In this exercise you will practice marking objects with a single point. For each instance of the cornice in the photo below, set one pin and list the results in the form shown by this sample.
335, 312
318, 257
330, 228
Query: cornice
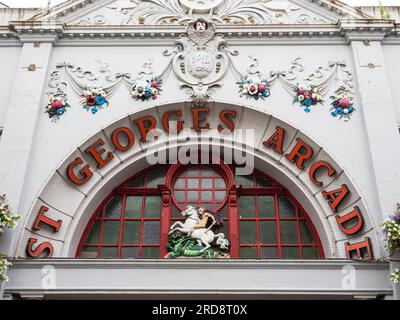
58, 32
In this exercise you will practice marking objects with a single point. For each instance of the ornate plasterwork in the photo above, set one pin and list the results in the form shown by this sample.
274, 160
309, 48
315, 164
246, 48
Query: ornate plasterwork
177, 12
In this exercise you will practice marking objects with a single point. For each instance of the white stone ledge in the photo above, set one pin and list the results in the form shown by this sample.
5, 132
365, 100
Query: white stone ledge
127, 278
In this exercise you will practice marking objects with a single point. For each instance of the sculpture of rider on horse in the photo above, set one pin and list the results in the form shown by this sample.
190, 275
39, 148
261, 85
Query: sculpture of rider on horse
197, 232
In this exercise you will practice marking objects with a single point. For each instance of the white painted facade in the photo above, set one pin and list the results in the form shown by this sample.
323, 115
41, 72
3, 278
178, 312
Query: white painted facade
107, 38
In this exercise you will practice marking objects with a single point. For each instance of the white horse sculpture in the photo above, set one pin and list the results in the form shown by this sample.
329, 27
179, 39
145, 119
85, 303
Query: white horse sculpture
204, 236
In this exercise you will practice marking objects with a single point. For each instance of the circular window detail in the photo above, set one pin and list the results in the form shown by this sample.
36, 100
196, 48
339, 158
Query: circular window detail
202, 186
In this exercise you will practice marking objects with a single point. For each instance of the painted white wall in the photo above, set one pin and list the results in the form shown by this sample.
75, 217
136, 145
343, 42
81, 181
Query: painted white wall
391, 55
9, 60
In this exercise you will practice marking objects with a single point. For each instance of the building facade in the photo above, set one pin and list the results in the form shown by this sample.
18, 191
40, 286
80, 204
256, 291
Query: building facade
277, 121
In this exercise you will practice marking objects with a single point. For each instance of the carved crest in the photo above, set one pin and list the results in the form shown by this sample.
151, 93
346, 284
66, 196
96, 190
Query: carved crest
201, 59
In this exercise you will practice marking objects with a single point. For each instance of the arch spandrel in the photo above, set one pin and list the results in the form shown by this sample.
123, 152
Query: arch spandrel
65, 199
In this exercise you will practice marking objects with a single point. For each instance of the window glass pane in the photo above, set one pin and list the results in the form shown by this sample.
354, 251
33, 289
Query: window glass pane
207, 172
246, 207
151, 232
206, 196
176, 213
93, 236
130, 252
220, 195
156, 177
266, 207
248, 232
131, 232
290, 252
244, 181
137, 182
179, 195
268, 232
192, 172
89, 252
286, 207
180, 183
150, 252
206, 183
310, 253
109, 252
110, 232
113, 208
262, 182
248, 252
133, 207
153, 207
289, 232
269, 252
193, 183
193, 195
306, 234
220, 184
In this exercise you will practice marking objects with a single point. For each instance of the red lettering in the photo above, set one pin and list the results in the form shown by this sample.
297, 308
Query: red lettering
146, 124
359, 248
353, 215
301, 152
197, 118
223, 116
44, 246
85, 172
46, 220
335, 197
276, 140
179, 123
117, 143
315, 167
97, 153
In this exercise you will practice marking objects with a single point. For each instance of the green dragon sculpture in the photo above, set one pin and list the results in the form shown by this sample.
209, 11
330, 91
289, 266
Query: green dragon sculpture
181, 245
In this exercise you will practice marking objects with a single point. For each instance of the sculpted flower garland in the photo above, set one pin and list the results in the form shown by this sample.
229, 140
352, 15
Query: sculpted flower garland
342, 104
308, 96
7, 220
254, 88
94, 99
56, 107
147, 90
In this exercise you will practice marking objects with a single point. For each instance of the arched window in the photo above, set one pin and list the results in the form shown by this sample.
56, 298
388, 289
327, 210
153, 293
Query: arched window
261, 218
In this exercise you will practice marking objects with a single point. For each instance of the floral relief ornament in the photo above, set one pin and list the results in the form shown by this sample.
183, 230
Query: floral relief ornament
342, 104
308, 96
254, 88
94, 99
57, 106
146, 90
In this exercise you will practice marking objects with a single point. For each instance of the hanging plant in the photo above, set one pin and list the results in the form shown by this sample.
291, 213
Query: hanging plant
254, 88
4, 265
94, 99
391, 229
395, 276
146, 90
342, 104
308, 96
7, 220
56, 107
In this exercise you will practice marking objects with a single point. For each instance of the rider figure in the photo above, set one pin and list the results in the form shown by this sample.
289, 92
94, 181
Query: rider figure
204, 217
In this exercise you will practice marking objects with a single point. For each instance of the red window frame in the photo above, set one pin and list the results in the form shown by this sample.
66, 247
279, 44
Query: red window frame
233, 193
